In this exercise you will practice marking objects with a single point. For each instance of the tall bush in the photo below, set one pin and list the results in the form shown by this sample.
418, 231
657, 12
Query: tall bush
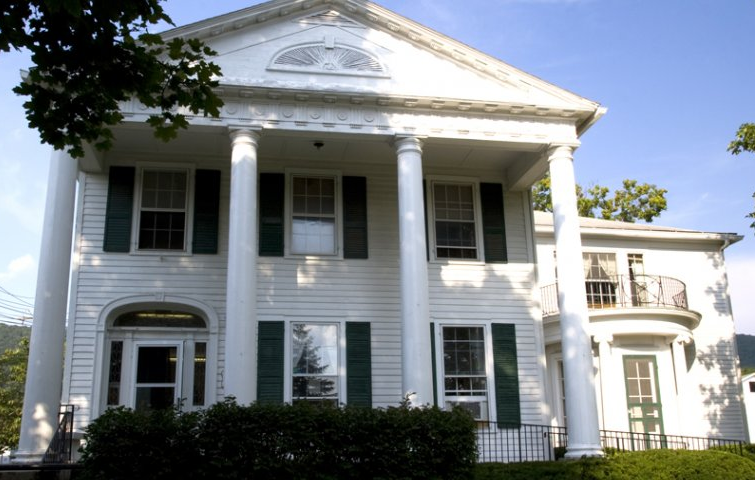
230, 441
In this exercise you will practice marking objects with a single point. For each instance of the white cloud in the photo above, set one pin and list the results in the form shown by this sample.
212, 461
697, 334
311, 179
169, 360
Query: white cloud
18, 266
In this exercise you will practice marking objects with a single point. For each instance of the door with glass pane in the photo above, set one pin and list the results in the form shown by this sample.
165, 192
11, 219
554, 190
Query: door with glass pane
643, 396
158, 370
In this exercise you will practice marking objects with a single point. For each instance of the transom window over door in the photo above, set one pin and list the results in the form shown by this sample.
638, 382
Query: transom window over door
464, 374
313, 215
454, 215
163, 210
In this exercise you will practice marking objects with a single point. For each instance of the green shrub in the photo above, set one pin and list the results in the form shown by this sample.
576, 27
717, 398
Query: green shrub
281, 441
747, 450
647, 465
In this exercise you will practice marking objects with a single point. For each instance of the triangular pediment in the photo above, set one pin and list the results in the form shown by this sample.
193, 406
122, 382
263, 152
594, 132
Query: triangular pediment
357, 47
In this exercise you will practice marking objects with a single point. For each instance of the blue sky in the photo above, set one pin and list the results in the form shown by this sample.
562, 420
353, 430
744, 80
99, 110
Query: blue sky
677, 77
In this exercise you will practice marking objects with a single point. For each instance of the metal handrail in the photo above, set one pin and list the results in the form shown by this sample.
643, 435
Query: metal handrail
61, 445
624, 291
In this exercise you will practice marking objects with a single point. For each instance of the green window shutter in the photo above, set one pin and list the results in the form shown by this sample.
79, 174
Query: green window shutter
358, 364
118, 214
435, 367
270, 356
272, 197
354, 217
493, 223
424, 206
206, 211
506, 373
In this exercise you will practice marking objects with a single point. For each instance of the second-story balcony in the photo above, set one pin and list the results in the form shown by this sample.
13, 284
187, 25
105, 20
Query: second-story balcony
625, 291
624, 304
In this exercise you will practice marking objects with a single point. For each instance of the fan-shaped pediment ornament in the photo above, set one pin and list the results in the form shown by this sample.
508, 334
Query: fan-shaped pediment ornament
335, 59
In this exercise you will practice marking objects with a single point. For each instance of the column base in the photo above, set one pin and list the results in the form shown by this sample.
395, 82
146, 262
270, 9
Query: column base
583, 451
26, 458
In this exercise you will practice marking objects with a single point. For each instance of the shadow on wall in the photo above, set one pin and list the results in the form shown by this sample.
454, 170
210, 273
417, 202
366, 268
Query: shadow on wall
722, 402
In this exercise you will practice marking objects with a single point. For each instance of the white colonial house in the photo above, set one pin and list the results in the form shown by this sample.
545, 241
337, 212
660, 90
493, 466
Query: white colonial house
664, 350
356, 227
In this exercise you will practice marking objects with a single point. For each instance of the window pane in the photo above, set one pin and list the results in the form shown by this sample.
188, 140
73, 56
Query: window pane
114, 374
200, 365
313, 235
161, 230
314, 360
156, 365
154, 398
313, 220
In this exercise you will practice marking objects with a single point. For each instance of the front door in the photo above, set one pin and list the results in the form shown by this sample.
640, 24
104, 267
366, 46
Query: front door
643, 397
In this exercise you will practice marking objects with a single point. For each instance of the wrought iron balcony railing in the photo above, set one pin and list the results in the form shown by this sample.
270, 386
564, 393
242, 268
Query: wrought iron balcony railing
625, 291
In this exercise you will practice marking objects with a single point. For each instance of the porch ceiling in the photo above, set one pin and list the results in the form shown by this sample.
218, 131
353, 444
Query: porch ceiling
137, 143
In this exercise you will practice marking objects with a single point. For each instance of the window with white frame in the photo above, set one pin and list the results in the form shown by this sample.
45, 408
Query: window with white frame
465, 379
314, 225
163, 209
314, 362
455, 220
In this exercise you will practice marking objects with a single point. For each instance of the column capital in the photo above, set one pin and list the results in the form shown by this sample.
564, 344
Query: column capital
406, 143
245, 134
683, 339
561, 150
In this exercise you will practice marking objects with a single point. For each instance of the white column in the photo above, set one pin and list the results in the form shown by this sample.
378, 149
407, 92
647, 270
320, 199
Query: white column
240, 375
581, 406
680, 372
416, 371
607, 391
44, 374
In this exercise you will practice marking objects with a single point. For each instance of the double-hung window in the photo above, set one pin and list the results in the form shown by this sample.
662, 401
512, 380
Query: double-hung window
314, 225
163, 209
465, 377
314, 362
455, 220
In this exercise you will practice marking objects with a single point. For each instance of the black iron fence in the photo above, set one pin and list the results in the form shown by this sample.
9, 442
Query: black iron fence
622, 291
61, 446
533, 443
525, 443
632, 441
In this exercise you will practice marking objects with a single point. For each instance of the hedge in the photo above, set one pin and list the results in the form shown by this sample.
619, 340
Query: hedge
646, 465
280, 441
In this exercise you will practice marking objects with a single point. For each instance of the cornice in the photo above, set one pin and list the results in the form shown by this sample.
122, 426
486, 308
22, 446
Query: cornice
321, 112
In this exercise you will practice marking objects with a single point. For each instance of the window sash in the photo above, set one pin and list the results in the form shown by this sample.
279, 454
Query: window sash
315, 361
313, 212
455, 222
163, 209
465, 376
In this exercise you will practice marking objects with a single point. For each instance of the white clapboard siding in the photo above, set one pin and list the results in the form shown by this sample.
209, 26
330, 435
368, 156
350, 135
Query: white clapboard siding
288, 288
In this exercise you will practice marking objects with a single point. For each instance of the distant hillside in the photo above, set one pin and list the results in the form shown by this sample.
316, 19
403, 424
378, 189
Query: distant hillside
746, 348
10, 335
